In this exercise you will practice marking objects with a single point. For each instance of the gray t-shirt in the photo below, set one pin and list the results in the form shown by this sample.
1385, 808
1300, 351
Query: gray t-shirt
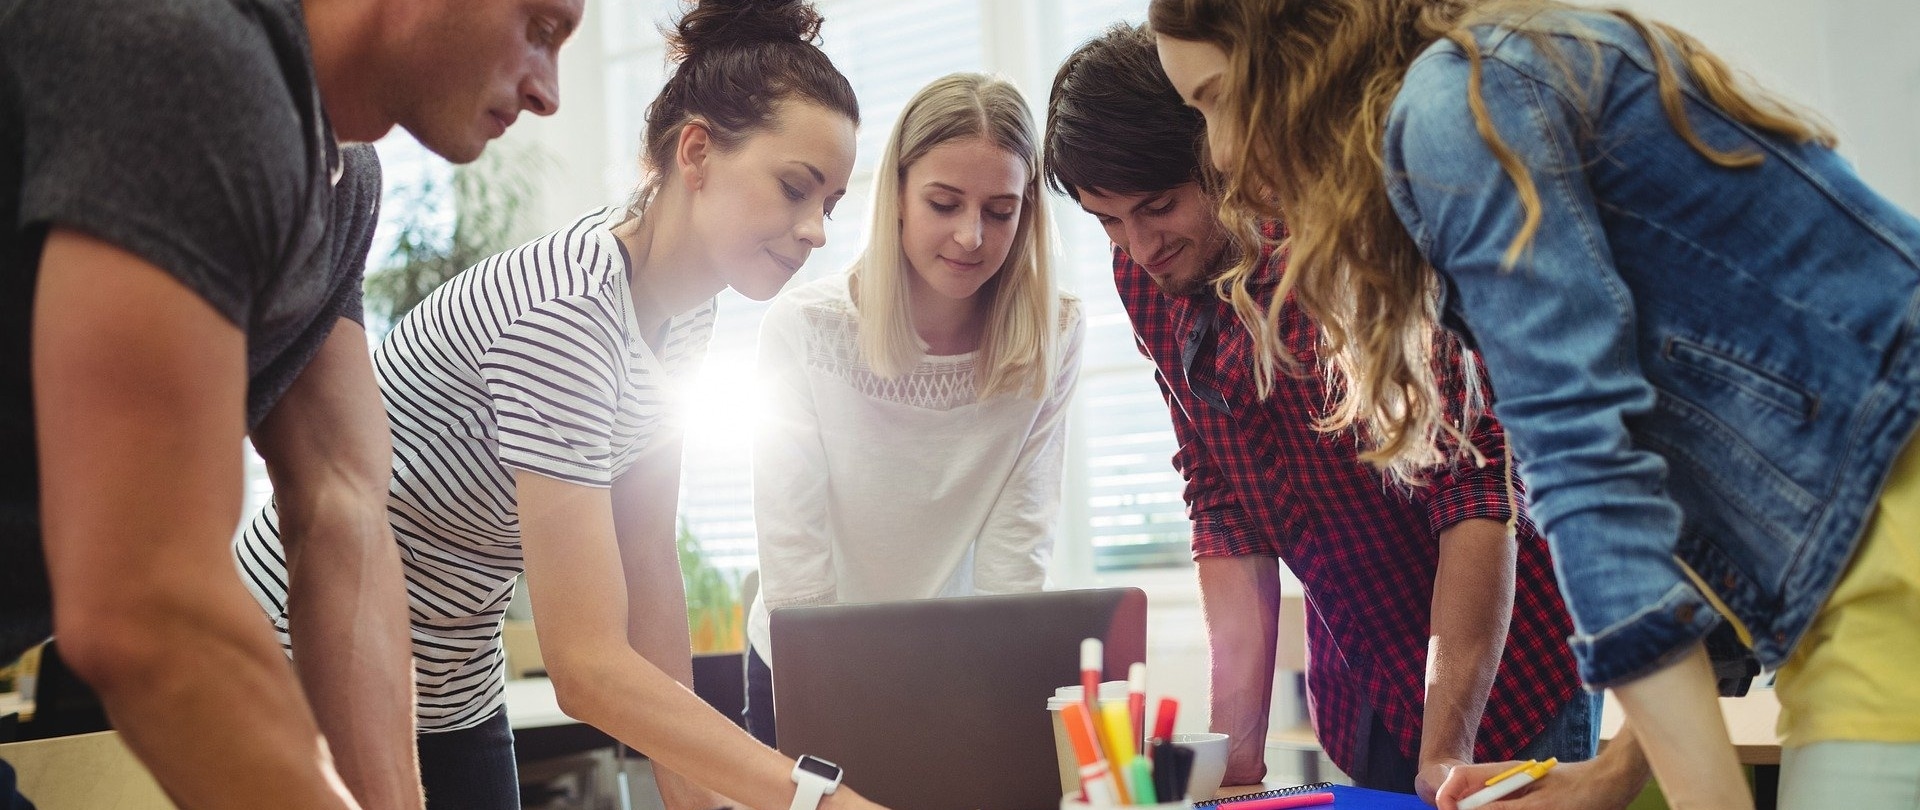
190, 133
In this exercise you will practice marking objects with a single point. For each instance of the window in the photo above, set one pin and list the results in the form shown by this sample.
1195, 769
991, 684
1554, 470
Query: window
1124, 508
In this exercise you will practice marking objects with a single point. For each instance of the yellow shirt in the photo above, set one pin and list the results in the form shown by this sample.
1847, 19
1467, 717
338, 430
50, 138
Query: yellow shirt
1856, 673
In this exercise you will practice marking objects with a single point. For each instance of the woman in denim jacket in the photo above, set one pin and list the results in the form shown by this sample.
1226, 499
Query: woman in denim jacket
1697, 318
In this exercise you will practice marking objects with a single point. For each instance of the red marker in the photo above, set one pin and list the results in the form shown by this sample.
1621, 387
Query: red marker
1092, 663
1137, 705
1163, 724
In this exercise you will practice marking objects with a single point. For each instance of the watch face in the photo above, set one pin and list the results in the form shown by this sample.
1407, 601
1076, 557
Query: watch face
819, 767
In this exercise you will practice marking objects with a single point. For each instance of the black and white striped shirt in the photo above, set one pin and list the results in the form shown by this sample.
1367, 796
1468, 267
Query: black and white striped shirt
530, 360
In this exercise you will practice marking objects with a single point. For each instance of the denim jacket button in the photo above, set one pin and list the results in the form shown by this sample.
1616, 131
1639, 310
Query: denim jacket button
1684, 613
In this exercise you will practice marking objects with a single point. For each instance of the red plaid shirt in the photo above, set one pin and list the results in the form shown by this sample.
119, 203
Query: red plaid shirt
1262, 481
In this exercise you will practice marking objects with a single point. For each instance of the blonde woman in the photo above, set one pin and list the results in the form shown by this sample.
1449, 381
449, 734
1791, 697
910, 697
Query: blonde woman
919, 401
1696, 315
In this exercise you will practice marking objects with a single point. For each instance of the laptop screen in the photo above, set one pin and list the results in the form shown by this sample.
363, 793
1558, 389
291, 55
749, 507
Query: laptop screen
940, 704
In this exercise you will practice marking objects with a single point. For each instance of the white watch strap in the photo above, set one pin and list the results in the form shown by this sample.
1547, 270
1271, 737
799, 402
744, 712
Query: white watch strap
807, 793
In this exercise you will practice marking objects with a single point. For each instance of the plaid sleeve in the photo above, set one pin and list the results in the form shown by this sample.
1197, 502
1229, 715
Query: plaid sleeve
1475, 486
1221, 528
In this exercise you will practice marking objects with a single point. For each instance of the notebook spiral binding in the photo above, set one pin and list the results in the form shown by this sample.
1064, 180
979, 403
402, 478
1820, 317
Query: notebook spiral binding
1267, 794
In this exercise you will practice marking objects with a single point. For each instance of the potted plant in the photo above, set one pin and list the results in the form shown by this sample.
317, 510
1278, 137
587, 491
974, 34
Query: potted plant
444, 223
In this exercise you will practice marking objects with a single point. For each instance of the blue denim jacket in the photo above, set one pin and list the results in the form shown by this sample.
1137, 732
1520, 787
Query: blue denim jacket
1704, 368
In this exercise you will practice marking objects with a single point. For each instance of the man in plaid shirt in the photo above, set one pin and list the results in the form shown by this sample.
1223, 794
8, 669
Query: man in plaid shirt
1436, 636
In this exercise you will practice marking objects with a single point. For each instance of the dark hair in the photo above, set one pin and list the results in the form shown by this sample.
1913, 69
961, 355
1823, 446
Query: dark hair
1115, 123
737, 60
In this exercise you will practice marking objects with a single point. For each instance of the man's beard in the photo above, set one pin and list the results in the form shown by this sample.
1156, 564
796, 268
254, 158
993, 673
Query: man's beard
1225, 253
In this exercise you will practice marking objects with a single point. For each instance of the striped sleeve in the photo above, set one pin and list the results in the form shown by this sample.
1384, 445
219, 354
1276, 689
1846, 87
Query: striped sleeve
554, 377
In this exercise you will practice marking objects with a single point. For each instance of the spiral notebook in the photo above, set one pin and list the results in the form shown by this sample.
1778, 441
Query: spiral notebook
1265, 794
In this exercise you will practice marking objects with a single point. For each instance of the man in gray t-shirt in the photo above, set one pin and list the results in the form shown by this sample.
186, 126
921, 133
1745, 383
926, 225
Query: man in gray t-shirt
181, 239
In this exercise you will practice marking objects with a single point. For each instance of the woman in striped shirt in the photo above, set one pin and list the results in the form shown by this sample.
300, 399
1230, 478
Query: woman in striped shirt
531, 410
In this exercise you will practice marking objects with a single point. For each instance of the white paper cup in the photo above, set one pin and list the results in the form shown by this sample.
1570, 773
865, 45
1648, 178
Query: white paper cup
1209, 763
1062, 746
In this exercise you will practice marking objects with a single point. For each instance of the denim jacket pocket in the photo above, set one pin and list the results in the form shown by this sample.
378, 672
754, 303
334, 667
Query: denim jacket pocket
1757, 383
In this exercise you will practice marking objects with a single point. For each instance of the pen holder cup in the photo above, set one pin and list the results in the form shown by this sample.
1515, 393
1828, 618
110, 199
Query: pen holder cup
1073, 802
1062, 748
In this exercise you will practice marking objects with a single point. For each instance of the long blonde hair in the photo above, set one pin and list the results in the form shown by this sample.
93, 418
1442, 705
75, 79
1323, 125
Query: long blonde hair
1019, 344
1304, 99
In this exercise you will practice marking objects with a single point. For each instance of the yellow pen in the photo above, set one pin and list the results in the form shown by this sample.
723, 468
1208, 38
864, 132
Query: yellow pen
1506, 783
1116, 731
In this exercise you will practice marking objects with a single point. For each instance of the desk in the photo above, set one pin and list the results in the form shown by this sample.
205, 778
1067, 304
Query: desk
83, 772
1348, 798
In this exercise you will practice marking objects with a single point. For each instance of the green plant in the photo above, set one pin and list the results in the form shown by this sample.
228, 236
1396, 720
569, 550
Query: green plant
714, 612
448, 221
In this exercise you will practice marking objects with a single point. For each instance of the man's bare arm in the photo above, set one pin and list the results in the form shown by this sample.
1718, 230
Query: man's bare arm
139, 391
1472, 609
328, 452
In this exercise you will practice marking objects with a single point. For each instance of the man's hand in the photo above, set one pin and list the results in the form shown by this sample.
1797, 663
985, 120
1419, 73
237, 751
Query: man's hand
1587, 785
1433, 775
1607, 782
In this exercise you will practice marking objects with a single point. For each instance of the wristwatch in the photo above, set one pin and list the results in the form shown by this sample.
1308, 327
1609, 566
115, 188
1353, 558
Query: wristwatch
813, 778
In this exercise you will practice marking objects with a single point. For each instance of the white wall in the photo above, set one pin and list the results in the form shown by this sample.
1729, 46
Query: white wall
574, 138
1856, 62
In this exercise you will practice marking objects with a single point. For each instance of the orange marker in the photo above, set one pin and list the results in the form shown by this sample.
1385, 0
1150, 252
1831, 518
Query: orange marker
1096, 782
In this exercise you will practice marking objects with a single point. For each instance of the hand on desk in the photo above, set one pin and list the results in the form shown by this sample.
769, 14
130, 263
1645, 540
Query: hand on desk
1433, 775
1587, 785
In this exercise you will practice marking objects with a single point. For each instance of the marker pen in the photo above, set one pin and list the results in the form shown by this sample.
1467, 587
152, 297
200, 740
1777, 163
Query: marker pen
1163, 721
1506, 783
1096, 782
1137, 705
1117, 734
1092, 663
1279, 802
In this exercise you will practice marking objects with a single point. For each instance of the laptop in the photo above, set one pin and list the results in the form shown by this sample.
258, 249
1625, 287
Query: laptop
940, 704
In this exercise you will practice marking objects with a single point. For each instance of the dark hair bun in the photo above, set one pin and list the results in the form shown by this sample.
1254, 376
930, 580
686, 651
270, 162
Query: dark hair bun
717, 25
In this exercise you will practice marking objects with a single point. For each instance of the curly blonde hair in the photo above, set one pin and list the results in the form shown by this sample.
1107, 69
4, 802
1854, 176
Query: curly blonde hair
1304, 102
